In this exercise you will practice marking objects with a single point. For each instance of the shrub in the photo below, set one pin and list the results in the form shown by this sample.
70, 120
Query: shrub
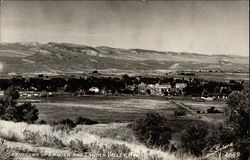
31, 137
78, 146
42, 139
152, 131
219, 134
213, 110
65, 124
86, 121
61, 127
179, 113
243, 146
122, 133
27, 112
42, 122
193, 138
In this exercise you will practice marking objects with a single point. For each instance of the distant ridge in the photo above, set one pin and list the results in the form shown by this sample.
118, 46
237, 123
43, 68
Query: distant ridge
29, 57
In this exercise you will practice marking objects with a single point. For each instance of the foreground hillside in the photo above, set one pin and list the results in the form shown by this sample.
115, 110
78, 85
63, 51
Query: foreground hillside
46, 141
67, 58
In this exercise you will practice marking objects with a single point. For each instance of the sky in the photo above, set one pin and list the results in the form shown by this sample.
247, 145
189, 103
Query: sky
206, 27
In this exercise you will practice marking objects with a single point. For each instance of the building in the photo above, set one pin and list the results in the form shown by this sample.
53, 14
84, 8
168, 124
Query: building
208, 98
94, 89
159, 89
180, 85
154, 89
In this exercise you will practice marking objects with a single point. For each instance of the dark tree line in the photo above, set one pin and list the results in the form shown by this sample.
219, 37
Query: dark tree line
195, 87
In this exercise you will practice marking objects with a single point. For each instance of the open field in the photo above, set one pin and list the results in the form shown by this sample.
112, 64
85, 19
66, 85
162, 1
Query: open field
125, 109
203, 106
102, 108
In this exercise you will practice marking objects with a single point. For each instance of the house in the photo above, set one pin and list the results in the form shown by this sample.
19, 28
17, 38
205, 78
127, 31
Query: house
94, 89
154, 89
207, 98
180, 86
159, 89
163, 88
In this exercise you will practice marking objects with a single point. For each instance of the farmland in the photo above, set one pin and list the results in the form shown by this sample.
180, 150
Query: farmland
123, 109
102, 108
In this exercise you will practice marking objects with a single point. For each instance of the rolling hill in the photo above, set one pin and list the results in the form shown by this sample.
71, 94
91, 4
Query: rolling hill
33, 57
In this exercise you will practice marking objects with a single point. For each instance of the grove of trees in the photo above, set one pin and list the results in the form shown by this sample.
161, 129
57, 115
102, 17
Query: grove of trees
11, 111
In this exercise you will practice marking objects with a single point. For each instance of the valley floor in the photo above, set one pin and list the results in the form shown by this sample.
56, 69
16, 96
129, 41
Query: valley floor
112, 136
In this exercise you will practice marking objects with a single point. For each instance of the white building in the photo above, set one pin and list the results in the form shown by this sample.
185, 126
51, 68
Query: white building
94, 89
208, 98
159, 89
180, 85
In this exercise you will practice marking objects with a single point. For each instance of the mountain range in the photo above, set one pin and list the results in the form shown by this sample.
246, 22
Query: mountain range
33, 57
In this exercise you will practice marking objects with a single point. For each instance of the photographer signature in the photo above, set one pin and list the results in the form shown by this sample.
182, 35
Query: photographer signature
223, 151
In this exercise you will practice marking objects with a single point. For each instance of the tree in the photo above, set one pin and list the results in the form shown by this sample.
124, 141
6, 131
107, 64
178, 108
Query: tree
193, 138
11, 111
8, 103
237, 112
27, 112
237, 117
152, 131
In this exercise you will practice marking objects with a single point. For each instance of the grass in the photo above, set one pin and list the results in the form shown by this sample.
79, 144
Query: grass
121, 132
42, 139
5, 153
80, 140
101, 108
203, 106
105, 109
105, 141
125, 109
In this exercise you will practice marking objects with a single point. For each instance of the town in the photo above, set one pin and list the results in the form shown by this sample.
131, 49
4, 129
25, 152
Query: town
45, 86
